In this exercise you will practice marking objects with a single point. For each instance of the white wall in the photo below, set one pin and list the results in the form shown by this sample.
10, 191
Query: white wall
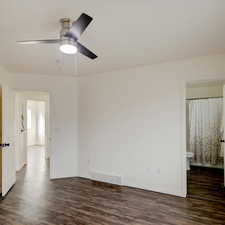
132, 122
20, 136
63, 115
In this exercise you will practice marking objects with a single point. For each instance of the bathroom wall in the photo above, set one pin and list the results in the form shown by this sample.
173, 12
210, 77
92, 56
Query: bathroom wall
202, 90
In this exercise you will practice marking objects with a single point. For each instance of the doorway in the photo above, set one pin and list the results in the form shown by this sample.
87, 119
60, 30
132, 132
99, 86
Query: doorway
32, 132
13, 137
205, 137
1, 140
36, 134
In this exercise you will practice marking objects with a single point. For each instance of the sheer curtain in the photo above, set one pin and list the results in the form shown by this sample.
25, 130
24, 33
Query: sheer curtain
205, 130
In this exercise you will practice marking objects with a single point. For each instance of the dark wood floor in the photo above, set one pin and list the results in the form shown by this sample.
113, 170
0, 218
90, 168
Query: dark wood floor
36, 200
206, 183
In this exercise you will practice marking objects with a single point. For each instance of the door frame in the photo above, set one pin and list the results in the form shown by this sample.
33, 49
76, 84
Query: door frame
32, 95
213, 78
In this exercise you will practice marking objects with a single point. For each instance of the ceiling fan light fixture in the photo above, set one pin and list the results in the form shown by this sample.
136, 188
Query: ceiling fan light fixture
67, 40
68, 47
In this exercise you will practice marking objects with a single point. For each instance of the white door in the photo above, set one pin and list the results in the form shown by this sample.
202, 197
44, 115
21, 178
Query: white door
8, 151
224, 129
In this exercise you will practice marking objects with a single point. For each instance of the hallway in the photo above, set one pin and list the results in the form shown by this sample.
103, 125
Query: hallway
36, 164
35, 200
34, 177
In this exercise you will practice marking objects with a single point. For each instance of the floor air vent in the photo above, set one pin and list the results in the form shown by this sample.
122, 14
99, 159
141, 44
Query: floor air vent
107, 178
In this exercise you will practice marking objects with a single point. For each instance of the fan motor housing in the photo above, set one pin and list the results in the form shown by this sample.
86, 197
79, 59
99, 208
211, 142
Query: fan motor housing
65, 26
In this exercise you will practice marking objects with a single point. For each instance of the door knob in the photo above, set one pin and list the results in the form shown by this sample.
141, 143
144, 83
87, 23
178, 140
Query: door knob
4, 145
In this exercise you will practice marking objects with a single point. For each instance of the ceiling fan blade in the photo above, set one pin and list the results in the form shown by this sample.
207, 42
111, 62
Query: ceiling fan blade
83, 50
79, 25
48, 41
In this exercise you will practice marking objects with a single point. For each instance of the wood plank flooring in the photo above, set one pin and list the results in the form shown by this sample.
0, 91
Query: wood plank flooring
206, 183
35, 200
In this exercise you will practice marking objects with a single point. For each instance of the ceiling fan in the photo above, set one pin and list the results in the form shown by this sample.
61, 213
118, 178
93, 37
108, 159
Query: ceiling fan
69, 35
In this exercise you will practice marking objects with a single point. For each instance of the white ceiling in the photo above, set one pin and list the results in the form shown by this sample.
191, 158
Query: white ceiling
124, 33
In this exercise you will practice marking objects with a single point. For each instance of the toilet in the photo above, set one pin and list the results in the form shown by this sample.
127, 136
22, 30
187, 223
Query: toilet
189, 157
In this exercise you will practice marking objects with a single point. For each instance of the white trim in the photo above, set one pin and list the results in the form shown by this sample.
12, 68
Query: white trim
183, 142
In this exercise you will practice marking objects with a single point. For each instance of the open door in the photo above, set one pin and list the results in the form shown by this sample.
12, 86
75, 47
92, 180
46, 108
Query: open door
7, 142
223, 144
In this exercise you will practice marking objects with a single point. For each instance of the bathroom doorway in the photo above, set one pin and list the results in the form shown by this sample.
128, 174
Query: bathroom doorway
205, 140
